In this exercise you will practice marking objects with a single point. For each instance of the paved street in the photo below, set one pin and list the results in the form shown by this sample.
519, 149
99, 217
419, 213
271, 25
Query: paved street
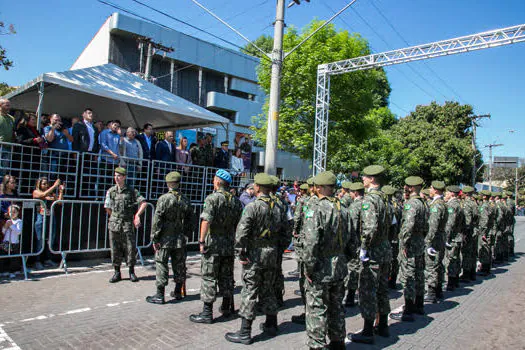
83, 311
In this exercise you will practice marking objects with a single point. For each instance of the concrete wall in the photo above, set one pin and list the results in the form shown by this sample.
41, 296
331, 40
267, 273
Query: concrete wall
97, 51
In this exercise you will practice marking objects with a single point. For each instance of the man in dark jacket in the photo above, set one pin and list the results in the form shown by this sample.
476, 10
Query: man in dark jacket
85, 135
148, 141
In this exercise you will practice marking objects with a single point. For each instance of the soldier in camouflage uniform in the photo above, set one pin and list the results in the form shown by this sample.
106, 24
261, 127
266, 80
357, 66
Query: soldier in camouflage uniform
352, 282
259, 235
453, 230
172, 223
121, 201
485, 223
219, 218
375, 256
328, 242
396, 212
500, 225
511, 204
206, 152
470, 239
346, 198
411, 251
435, 243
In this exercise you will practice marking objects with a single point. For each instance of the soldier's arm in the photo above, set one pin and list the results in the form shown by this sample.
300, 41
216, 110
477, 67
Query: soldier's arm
244, 228
433, 226
108, 204
311, 232
207, 217
141, 202
369, 224
352, 244
157, 219
298, 217
452, 214
407, 227
189, 221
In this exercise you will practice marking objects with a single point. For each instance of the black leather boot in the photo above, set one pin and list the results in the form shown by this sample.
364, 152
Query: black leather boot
392, 282
244, 335
132, 276
116, 276
270, 326
420, 305
407, 314
227, 309
206, 316
177, 292
382, 326
456, 281
465, 276
431, 296
472, 275
350, 298
439, 291
366, 336
337, 345
157, 298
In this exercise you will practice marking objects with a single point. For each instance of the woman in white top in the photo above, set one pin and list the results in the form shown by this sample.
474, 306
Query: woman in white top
12, 230
237, 162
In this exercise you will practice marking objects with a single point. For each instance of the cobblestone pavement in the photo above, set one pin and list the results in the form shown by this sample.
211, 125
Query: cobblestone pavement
83, 311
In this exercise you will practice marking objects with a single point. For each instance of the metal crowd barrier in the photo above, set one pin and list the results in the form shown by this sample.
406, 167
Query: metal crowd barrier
29, 163
29, 244
192, 183
82, 227
97, 172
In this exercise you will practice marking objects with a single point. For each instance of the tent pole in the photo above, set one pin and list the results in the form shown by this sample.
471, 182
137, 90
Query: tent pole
40, 104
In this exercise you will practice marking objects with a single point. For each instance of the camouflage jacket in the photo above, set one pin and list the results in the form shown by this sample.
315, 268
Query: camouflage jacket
510, 217
283, 208
346, 201
123, 202
222, 211
501, 217
486, 219
471, 211
374, 226
437, 220
455, 221
206, 155
355, 216
308, 201
173, 220
413, 227
512, 205
328, 241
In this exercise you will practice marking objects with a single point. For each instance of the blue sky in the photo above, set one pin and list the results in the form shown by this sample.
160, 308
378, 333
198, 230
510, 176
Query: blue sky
52, 33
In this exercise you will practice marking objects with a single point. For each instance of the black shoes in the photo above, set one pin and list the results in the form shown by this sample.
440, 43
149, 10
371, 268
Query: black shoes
270, 326
206, 316
407, 314
158, 298
177, 292
132, 276
116, 276
299, 319
366, 336
382, 327
244, 335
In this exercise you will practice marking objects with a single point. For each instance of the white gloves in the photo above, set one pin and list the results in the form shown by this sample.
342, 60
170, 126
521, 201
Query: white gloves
448, 245
362, 255
431, 251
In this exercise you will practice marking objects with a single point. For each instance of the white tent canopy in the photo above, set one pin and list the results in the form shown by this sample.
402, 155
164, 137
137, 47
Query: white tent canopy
112, 93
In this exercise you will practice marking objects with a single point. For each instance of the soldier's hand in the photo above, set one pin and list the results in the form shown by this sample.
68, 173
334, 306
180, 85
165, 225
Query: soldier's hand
308, 278
244, 261
136, 221
156, 247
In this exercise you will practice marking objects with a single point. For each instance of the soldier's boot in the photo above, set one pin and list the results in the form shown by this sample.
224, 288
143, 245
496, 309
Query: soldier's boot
420, 305
132, 276
206, 316
177, 292
279, 295
337, 345
473, 275
451, 285
244, 335
270, 326
227, 309
439, 292
456, 282
407, 314
350, 298
382, 326
431, 296
116, 276
366, 336
299, 319
465, 276
158, 298
392, 282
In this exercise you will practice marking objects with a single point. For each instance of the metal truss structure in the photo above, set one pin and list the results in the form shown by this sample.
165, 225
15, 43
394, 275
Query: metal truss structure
486, 40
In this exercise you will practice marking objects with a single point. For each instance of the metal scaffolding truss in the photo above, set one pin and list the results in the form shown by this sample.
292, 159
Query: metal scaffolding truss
486, 40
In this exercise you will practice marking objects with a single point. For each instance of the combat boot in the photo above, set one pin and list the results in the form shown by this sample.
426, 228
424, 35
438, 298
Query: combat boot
350, 298
270, 326
177, 292
116, 276
392, 282
456, 282
206, 316
382, 326
465, 277
431, 296
244, 335
337, 345
366, 336
157, 298
407, 314
473, 275
132, 276
420, 305
299, 319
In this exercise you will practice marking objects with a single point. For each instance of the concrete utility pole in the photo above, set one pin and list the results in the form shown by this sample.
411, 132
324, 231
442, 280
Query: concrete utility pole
492, 145
474, 125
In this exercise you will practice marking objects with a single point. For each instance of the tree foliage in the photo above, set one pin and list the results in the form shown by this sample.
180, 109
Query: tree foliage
5, 89
4, 61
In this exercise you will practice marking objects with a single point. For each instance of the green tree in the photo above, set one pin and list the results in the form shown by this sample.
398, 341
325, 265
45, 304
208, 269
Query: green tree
264, 42
4, 61
5, 89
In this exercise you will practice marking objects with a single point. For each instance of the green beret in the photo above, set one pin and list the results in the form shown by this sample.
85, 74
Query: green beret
326, 178
174, 176
356, 186
310, 181
275, 180
414, 181
346, 184
121, 171
373, 170
496, 194
438, 185
426, 192
263, 179
468, 189
486, 193
453, 189
509, 193
388, 190
304, 187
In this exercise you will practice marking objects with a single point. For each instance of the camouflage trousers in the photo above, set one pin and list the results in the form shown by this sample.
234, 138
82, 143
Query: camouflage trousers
325, 315
217, 271
412, 276
122, 241
434, 269
453, 259
302, 278
352, 279
469, 254
511, 242
258, 283
373, 290
178, 265
484, 251
502, 243
394, 265
279, 277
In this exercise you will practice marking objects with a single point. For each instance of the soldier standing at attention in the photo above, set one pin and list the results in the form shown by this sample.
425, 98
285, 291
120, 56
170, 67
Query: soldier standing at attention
219, 218
356, 191
511, 204
435, 243
257, 242
453, 240
470, 239
486, 221
346, 198
172, 223
375, 256
121, 201
328, 242
395, 211
412, 250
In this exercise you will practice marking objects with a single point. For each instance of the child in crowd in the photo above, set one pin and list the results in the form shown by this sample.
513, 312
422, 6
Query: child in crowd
12, 230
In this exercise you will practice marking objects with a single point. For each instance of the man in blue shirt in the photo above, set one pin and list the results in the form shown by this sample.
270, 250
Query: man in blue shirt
57, 137
109, 151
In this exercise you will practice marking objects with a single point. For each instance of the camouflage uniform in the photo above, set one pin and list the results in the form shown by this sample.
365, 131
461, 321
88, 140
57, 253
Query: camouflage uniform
123, 202
393, 237
279, 277
470, 239
346, 201
486, 221
328, 241
435, 239
453, 231
222, 211
172, 223
354, 265
206, 155
500, 225
511, 204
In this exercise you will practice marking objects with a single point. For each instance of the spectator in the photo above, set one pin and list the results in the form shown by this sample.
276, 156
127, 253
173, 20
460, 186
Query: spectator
74, 120
27, 133
130, 148
57, 137
46, 193
85, 136
7, 129
222, 157
248, 195
99, 125
7, 190
104, 131
109, 144
194, 152
11, 230
237, 163
148, 141
182, 155
165, 150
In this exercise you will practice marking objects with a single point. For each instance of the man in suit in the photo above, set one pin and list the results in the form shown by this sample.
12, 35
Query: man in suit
165, 150
85, 135
222, 157
148, 141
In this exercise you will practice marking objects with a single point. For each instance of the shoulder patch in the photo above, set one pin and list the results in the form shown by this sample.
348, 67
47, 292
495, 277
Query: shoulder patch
204, 205
481, 209
450, 210
407, 207
434, 210
309, 214
243, 211
365, 206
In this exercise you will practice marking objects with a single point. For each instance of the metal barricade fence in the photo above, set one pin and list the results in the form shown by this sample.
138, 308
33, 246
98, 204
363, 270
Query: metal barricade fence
34, 230
192, 181
82, 227
97, 172
30, 163
195, 235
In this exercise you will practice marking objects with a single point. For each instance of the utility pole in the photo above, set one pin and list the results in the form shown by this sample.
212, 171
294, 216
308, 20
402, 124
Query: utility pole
151, 50
492, 145
474, 125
